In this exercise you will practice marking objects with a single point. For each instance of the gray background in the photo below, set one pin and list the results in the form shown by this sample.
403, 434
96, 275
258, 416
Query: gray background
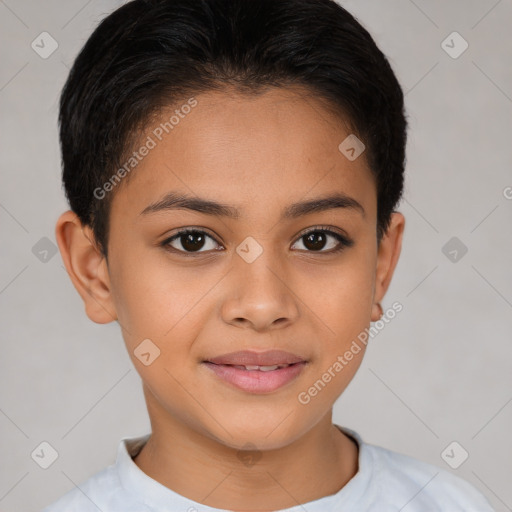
439, 372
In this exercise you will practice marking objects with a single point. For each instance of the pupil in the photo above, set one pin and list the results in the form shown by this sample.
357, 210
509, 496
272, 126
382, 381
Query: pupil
188, 241
315, 238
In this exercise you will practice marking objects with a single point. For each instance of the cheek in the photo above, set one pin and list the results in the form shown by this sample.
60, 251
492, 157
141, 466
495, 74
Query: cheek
159, 301
143, 290
342, 303
342, 295
344, 310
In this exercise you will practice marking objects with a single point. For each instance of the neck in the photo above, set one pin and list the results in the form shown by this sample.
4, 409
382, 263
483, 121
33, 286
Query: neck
199, 467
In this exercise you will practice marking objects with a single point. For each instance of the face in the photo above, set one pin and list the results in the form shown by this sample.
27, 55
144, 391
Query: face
258, 275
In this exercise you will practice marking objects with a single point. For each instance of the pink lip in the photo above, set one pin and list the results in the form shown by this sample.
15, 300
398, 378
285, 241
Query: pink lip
252, 358
257, 381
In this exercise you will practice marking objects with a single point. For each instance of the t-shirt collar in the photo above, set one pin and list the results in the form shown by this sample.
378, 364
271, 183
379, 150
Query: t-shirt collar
160, 498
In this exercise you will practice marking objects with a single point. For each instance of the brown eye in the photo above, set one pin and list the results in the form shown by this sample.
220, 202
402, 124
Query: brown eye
190, 240
318, 239
195, 241
315, 241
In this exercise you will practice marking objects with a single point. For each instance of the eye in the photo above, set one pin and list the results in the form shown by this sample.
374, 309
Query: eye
191, 240
316, 240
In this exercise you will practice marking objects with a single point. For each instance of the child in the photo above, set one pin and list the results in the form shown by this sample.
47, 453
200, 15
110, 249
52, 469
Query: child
233, 168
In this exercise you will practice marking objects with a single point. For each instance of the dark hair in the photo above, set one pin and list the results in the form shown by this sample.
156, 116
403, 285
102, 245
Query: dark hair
147, 55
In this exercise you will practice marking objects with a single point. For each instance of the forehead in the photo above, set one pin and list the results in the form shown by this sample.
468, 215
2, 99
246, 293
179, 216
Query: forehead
252, 151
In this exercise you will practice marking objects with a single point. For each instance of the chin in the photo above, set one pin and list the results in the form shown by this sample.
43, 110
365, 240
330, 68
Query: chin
265, 434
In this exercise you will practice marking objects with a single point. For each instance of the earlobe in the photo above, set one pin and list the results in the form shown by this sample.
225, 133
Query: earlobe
387, 258
86, 267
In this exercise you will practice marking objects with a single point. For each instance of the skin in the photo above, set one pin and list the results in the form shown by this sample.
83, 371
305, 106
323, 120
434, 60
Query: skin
259, 154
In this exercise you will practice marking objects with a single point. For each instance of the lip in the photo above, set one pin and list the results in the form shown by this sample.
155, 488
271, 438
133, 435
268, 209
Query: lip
256, 381
252, 358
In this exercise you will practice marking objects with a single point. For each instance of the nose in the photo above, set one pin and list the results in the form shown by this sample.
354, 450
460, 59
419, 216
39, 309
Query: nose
259, 295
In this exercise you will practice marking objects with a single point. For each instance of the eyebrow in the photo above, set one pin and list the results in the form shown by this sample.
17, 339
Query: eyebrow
178, 201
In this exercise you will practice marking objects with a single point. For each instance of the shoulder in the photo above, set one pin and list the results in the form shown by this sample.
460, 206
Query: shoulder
423, 486
102, 491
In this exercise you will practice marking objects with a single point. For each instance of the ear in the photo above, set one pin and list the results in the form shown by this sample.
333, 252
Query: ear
388, 253
86, 267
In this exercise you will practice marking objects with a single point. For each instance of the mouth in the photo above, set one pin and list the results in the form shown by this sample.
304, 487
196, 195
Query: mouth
253, 368
251, 359
257, 378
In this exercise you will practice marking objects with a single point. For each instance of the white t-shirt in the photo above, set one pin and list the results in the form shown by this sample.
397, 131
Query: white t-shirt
385, 482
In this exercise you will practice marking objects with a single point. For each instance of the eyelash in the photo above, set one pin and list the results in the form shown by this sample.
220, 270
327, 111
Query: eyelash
343, 241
